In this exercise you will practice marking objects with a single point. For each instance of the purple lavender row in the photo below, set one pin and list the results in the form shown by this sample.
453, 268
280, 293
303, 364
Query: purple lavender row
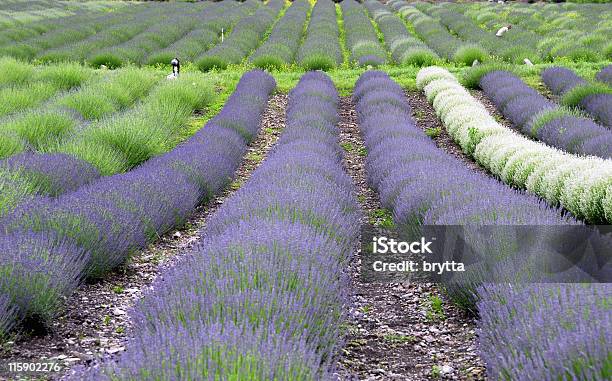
422, 185
88, 232
263, 295
595, 99
546, 331
543, 119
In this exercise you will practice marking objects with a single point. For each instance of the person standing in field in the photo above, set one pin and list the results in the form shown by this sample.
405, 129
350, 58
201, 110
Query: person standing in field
503, 30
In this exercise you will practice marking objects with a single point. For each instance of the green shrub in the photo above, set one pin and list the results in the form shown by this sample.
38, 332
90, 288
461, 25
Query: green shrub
10, 144
38, 129
212, 62
65, 76
13, 72
419, 57
268, 61
467, 54
110, 60
318, 62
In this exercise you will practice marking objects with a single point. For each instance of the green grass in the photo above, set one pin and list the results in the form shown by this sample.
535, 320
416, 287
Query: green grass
115, 145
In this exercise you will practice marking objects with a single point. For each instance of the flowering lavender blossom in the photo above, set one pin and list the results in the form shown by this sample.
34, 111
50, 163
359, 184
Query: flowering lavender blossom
546, 331
600, 107
560, 80
36, 271
605, 75
114, 216
53, 173
262, 295
577, 135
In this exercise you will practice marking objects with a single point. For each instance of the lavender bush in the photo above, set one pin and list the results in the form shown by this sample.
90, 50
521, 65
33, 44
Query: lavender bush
117, 215
600, 107
36, 271
7, 316
221, 16
560, 79
291, 228
546, 331
281, 47
540, 118
605, 75
320, 49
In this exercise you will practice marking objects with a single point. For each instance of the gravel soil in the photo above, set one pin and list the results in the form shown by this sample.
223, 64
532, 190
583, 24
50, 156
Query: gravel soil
394, 333
426, 119
95, 323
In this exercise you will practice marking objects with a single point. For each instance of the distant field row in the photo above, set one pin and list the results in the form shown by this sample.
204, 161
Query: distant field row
313, 35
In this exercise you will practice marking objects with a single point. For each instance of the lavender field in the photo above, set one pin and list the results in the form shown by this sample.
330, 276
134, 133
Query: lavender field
202, 190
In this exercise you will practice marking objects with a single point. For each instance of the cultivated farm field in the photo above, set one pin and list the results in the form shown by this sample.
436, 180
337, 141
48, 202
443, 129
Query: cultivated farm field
199, 190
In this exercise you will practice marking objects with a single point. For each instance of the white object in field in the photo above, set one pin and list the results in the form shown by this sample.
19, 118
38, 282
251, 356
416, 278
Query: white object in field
501, 31
222, 33
528, 62
500, 1
475, 63
176, 68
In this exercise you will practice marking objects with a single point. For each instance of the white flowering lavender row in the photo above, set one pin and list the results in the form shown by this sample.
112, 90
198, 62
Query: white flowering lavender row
263, 295
582, 185
47, 246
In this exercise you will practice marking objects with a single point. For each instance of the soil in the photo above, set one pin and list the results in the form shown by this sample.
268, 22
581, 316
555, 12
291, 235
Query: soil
95, 323
425, 117
394, 333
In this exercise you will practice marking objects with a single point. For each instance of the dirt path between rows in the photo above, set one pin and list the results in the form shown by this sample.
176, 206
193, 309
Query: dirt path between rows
395, 333
95, 324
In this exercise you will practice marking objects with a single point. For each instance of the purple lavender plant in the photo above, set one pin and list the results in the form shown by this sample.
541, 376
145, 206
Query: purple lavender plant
263, 294
605, 75
600, 107
36, 271
53, 173
560, 80
546, 331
